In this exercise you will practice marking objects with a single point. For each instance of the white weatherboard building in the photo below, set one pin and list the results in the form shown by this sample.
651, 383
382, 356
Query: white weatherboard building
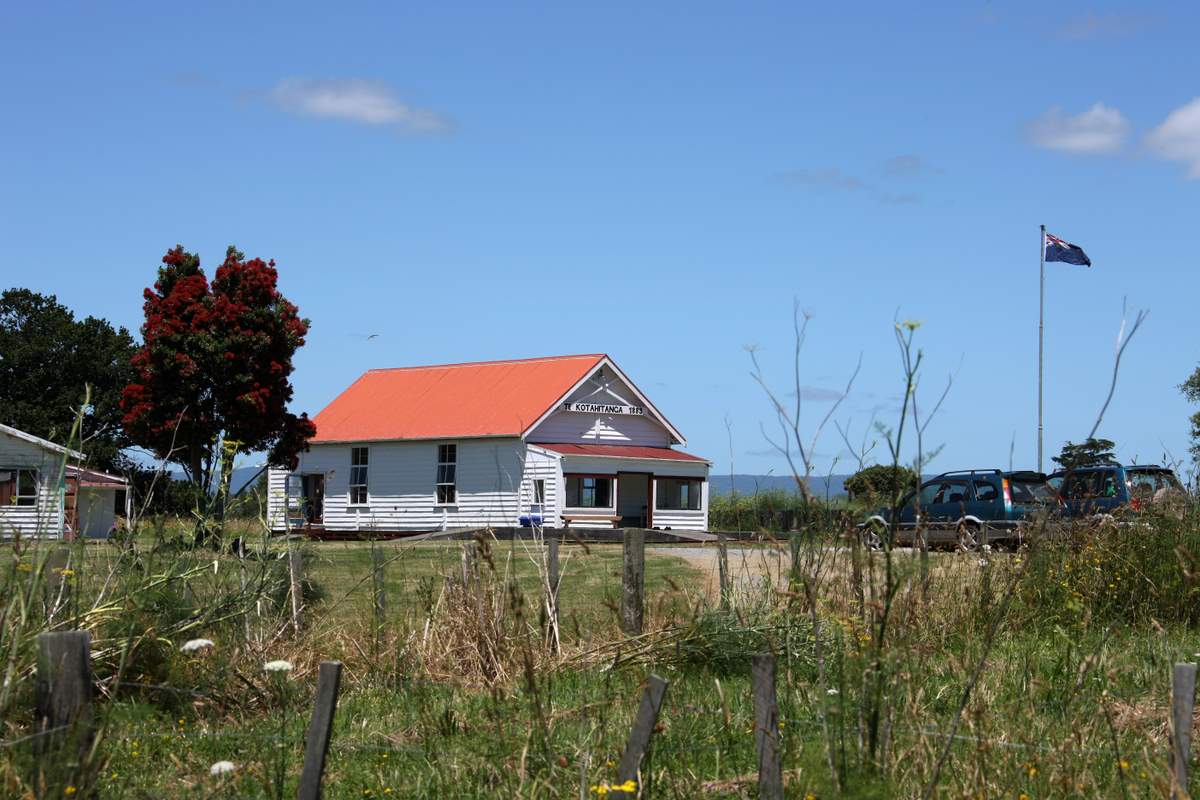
568, 441
44, 491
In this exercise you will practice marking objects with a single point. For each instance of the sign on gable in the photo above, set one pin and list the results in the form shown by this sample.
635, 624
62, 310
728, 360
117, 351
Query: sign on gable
605, 408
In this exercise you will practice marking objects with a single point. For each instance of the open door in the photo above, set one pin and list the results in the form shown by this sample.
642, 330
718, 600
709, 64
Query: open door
71, 508
314, 499
633, 499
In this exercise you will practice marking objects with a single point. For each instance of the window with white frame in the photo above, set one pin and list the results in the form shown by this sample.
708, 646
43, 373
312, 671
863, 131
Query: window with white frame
18, 487
447, 467
295, 492
360, 458
677, 494
539, 495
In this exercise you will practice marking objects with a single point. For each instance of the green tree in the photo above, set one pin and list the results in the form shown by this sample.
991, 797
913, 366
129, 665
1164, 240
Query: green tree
1092, 453
1191, 390
47, 357
881, 481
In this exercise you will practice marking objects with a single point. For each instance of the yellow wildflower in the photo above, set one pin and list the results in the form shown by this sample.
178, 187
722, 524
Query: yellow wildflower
70, 790
1123, 764
24, 568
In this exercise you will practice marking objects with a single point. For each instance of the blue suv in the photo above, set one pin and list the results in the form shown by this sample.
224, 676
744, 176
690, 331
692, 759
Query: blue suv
967, 509
1088, 491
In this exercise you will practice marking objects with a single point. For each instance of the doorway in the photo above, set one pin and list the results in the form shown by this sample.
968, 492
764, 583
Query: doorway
314, 498
633, 499
71, 508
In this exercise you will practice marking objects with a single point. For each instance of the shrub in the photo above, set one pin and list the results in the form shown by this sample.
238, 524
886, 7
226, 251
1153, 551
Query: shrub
774, 511
1128, 569
881, 482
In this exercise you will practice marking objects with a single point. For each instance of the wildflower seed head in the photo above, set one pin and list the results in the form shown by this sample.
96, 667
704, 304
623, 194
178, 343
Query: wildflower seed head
221, 768
196, 645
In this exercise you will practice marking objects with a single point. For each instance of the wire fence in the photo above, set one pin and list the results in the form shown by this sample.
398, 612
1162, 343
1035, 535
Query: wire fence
611, 585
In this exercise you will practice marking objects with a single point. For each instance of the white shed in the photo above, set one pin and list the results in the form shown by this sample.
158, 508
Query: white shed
564, 441
44, 491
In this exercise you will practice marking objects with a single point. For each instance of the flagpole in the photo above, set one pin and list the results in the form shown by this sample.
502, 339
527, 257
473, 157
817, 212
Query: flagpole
1041, 337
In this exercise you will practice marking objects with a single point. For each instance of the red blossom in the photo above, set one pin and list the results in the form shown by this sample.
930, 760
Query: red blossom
216, 360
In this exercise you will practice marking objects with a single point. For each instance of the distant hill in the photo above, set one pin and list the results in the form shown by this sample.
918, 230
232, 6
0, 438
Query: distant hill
241, 476
750, 484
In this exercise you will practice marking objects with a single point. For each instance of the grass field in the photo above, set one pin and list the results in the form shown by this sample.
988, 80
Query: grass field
453, 693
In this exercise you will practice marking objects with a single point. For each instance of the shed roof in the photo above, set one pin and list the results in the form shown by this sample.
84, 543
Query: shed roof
485, 398
40, 442
95, 479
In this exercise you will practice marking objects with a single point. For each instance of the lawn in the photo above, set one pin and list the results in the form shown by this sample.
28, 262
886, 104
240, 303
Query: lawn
453, 692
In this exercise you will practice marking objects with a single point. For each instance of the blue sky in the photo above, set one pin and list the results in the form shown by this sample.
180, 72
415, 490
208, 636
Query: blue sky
471, 182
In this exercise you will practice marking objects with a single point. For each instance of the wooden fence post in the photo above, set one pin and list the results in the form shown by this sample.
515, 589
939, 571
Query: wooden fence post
552, 590
1183, 699
64, 699
320, 730
639, 735
723, 571
766, 727
633, 583
794, 553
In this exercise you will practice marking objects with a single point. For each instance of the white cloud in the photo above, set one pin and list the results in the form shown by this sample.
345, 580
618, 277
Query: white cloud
1100, 129
1178, 137
362, 101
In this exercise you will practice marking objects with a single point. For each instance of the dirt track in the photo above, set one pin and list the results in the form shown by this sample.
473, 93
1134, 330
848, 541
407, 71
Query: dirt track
749, 567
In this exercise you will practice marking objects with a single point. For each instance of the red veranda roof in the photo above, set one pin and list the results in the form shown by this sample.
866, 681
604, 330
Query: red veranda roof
621, 451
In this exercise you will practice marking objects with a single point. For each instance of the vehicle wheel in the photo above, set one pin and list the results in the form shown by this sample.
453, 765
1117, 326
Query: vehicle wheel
871, 539
968, 538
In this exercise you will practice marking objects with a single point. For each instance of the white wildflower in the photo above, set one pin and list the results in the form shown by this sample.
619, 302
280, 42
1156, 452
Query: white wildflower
277, 666
831, 692
987, 548
221, 768
195, 645
983, 562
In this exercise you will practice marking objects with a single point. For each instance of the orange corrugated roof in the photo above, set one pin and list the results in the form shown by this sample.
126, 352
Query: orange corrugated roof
486, 398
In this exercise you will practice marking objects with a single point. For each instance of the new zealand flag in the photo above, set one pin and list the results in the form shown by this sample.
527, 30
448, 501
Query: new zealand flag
1058, 250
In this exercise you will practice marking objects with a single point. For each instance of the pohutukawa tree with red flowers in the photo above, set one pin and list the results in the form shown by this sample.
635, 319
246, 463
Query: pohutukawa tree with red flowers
212, 378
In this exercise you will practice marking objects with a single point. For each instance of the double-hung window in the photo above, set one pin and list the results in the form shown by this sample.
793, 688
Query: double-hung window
539, 496
447, 488
18, 487
360, 458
